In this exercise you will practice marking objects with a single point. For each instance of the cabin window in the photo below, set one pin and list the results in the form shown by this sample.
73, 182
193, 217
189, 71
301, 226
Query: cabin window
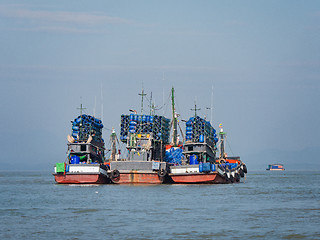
84, 148
190, 148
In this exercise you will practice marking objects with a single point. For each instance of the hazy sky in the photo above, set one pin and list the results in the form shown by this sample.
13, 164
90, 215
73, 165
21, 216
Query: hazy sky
261, 57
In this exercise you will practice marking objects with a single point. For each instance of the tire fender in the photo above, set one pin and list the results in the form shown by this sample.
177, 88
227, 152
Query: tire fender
241, 173
245, 168
162, 172
115, 174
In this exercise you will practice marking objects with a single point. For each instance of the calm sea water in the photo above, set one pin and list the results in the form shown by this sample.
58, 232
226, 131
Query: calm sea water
269, 205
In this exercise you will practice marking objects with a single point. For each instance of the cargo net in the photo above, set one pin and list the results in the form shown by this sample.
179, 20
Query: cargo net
159, 126
85, 126
199, 130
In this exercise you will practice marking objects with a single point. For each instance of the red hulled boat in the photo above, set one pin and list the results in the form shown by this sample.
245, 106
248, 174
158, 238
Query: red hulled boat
82, 174
200, 165
145, 137
85, 157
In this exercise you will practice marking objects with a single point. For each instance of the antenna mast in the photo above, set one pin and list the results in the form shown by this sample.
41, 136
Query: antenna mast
163, 91
195, 109
95, 106
211, 108
101, 104
81, 108
151, 105
142, 94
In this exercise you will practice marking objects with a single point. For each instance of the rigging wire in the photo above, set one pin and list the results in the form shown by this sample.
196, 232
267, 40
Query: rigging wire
229, 147
167, 104
157, 107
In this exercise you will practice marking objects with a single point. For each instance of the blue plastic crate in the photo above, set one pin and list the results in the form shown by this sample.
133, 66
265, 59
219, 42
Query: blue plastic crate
206, 167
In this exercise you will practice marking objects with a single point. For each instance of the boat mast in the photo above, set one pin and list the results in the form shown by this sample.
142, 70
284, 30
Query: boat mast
222, 138
113, 139
174, 120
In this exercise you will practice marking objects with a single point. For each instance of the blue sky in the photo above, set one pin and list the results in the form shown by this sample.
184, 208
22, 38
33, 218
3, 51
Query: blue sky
261, 57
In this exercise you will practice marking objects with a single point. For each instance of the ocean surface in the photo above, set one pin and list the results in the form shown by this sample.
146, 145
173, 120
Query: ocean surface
269, 205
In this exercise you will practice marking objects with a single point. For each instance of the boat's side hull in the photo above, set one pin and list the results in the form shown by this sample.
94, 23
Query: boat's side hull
137, 172
198, 178
82, 173
81, 178
138, 177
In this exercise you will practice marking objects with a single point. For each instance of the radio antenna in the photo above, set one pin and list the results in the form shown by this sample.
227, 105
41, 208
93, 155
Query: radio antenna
142, 94
101, 104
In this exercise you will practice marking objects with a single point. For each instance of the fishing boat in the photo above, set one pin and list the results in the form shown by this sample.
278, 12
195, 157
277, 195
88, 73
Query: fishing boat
233, 168
200, 164
145, 137
275, 167
85, 155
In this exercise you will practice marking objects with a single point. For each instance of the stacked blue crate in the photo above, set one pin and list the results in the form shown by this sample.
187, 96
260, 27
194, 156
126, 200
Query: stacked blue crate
198, 129
133, 123
84, 126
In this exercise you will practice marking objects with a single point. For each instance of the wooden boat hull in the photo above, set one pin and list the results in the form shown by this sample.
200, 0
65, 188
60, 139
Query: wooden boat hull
198, 178
81, 178
137, 177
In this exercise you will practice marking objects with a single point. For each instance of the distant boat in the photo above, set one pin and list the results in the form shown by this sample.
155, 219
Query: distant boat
275, 167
